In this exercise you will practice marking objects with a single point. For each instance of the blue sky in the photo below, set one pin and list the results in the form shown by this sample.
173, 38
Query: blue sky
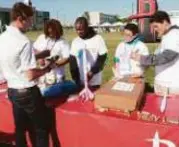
68, 10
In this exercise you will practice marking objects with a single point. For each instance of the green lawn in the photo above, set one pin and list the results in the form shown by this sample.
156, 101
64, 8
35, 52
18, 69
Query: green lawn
112, 40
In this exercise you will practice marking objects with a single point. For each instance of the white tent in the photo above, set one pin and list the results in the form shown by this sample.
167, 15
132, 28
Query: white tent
106, 24
93, 25
118, 24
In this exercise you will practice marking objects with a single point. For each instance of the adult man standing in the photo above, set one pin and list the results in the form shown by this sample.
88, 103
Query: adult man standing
18, 64
166, 59
96, 51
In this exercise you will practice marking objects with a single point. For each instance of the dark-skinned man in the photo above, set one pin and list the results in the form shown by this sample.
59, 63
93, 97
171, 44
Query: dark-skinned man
96, 52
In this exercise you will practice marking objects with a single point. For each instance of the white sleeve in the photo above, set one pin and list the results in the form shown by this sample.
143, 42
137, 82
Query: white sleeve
102, 46
65, 49
27, 56
143, 49
171, 41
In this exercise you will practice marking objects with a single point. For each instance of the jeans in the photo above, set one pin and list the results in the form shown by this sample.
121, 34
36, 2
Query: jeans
61, 89
29, 115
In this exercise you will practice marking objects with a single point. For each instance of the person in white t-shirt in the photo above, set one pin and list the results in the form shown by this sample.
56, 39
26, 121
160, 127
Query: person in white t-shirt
96, 51
166, 57
53, 42
125, 66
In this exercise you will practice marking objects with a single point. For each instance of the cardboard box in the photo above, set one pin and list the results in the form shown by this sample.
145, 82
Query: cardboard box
125, 94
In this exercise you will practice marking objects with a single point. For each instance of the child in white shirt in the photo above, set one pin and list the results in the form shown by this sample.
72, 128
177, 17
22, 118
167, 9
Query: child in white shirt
125, 66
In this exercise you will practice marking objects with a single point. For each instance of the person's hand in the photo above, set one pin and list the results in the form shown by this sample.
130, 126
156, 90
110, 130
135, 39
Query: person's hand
89, 76
135, 56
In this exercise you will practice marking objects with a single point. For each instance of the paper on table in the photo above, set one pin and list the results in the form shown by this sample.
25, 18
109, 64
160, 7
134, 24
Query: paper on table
122, 86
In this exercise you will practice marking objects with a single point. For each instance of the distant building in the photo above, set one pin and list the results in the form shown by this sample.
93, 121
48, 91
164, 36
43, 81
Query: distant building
174, 16
38, 21
97, 18
40, 17
4, 16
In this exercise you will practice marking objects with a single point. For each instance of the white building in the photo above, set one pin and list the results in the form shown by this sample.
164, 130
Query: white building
174, 16
97, 18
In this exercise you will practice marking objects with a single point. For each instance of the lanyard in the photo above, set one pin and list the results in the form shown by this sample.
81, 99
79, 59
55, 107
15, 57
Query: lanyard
51, 46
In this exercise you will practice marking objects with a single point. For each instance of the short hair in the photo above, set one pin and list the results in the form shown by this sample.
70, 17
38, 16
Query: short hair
132, 27
82, 20
160, 17
21, 10
56, 26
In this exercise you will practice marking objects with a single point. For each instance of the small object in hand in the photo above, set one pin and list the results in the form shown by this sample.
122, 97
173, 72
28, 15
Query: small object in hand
51, 61
53, 58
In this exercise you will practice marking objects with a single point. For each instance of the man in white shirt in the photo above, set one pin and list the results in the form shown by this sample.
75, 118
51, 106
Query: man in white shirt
96, 51
18, 65
166, 57
125, 66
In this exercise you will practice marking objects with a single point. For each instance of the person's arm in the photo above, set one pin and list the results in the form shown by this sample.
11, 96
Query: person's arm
99, 65
35, 73
117, 54
74, 69
170, 43
62, 62
162, 58
102, 56
29, 65
64, 53
42, 54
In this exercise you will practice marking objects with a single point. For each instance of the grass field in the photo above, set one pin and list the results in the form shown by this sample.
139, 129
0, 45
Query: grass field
112, 40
